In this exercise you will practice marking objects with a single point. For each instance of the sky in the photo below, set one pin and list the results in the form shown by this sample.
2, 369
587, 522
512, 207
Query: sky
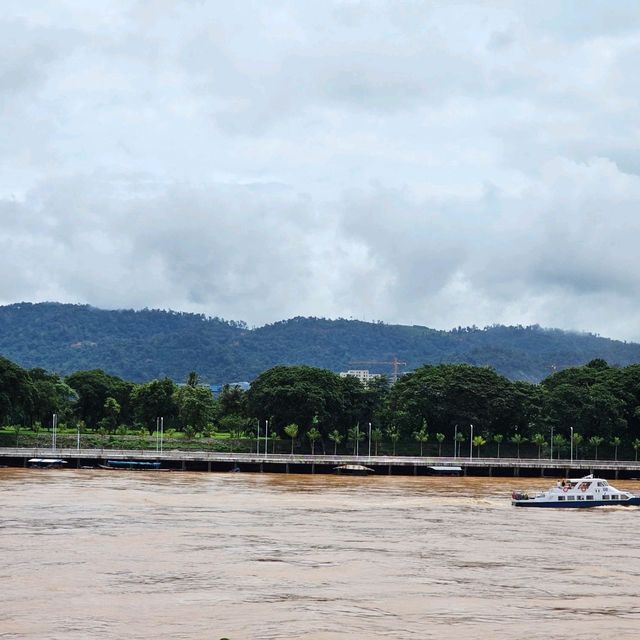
415, 162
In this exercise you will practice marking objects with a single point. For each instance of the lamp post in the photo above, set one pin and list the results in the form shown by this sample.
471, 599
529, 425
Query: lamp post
161, 432
551, 447
78, 443
369, 439
54, 425
357, 439
571, 444
258, 439
266, 437
471, 444
455, 442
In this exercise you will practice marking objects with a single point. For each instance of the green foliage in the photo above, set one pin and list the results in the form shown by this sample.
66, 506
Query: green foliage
153, 344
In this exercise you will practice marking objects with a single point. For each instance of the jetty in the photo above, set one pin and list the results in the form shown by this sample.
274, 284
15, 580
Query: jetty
214, 461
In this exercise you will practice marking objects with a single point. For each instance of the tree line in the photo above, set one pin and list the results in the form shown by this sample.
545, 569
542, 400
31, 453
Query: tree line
592, 410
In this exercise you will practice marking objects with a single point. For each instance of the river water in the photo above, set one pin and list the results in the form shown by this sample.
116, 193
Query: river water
118, 554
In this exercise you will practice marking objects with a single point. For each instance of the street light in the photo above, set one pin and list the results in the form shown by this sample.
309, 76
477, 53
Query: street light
357, 439
571, 444
455, 442
266, 437
551, 446
54, 425
258, 439
78, 435
471, 444
369, 439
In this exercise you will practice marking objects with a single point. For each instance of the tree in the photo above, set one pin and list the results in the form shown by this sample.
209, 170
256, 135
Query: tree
636, 445
111, 412
577, 441
195, 408
292, 431
560, 442
355, 435
459, 439
313, 434
297, 394
615, 443
539, 440
518, 439
498, 438
152, 400
93, 388
376, 437
440, 438
336, 437
595, 442
479, 441
394, 436
421, 436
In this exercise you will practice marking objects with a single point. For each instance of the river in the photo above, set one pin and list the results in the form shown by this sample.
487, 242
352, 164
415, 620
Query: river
119, 554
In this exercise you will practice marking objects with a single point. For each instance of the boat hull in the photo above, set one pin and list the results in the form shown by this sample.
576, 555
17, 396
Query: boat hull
577, 504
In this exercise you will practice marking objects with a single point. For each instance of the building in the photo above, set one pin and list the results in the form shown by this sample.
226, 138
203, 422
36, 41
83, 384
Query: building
362, 374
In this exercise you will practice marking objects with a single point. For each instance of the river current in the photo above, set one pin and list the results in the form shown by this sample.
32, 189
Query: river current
118, 554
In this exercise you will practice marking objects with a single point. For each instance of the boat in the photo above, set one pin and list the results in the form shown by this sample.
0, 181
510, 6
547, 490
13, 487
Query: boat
145, 465
353, 470
46, 463
444, 470
584, 492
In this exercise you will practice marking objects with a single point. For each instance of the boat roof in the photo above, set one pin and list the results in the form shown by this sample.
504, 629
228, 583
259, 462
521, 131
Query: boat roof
51, 460
445, 468
353, 467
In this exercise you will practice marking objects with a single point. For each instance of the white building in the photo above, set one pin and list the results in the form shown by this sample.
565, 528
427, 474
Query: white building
362, 374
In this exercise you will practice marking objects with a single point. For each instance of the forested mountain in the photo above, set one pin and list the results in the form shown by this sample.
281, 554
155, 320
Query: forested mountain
147, 344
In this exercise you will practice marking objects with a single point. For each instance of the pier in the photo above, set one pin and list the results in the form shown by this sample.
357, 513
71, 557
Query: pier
212, 461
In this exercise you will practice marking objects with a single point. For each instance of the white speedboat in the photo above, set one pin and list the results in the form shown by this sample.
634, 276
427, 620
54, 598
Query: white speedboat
577, 493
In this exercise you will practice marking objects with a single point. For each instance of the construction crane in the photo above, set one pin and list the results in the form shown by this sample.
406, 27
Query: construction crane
395, 366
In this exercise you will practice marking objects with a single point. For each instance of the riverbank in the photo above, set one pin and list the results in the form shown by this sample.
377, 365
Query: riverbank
207, 461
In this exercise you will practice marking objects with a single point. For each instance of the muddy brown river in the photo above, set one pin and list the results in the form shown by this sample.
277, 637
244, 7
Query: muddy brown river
120, 554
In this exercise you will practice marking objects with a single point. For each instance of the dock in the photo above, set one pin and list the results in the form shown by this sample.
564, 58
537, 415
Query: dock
212, 461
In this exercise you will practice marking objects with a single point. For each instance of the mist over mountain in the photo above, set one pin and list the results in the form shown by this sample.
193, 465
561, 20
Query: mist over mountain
146, 344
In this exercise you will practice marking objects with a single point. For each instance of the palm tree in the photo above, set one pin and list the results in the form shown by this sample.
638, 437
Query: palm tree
336, 437
459, 440
636, 445
376, 436
440, 439
479, 441
560, 443
577, 441
518, 439
538, 439
292, 431
421, 436
498, 438
355, 435
595, 442
313, 434
615, 443
394, 436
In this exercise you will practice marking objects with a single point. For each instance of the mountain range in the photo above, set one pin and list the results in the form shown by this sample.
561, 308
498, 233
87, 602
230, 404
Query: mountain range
147, 344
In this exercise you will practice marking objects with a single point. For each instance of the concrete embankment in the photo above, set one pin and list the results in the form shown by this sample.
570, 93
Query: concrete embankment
206, 461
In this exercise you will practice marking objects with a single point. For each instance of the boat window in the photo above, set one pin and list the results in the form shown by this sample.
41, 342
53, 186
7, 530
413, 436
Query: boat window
589, 497
560, 498
580, 497
571, 497
605, 497
614, 497
602, 484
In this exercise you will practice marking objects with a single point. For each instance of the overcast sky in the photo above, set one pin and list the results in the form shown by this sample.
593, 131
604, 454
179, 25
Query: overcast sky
436, 163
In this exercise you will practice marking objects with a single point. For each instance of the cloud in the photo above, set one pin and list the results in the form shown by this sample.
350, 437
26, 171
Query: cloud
418, 162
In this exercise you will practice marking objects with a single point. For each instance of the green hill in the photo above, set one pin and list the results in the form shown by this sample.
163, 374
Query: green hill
146, 344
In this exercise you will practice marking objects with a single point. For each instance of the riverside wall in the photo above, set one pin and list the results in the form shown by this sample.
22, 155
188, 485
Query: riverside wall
206, 461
